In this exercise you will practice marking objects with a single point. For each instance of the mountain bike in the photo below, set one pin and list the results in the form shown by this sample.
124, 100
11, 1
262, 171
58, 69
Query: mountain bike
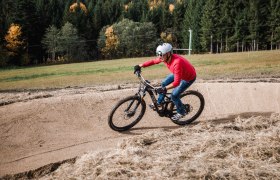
130, 110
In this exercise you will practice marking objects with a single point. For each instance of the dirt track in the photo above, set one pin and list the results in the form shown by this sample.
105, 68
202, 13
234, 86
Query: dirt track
46, 127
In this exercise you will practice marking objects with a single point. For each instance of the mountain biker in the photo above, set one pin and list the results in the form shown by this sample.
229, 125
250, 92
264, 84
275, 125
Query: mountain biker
182, 77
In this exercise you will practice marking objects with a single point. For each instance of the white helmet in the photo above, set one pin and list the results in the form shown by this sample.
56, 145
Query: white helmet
163, 49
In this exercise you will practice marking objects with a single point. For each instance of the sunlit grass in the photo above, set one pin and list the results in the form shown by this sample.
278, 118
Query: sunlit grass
208, 66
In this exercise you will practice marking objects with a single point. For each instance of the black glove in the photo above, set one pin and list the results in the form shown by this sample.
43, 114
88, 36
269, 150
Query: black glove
137, 68
161, 90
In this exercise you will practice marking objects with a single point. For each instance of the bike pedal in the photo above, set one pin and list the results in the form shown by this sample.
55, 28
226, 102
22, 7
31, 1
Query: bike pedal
152, 107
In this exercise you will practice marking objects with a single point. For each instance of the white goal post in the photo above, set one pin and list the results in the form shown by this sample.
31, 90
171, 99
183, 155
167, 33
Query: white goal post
190, 45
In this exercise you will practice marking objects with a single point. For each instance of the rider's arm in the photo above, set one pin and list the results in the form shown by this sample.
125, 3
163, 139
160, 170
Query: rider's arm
177, 70
151, 62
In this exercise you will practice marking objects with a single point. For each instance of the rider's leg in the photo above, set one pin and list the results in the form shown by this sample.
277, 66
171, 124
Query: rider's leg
168, 80
175, 96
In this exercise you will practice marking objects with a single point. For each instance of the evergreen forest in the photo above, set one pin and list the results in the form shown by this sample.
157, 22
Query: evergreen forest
63, 31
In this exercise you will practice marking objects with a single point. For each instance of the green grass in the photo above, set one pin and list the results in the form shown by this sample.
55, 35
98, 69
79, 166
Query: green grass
208, 66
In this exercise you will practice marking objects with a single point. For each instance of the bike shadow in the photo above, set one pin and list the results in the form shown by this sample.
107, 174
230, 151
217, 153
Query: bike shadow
135, 131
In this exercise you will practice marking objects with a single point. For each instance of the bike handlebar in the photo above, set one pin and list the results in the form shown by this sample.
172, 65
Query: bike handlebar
142, 80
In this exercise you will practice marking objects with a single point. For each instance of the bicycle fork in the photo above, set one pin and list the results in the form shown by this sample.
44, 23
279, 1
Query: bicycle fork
130, 112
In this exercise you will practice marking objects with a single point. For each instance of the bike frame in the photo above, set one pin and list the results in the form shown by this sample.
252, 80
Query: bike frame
145, 86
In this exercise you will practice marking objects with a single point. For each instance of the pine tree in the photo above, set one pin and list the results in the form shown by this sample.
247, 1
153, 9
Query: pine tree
273, 35
113, 9
237, 40
226, 22
4, 57
166, 17
178, 18
32, 27
7, 15
90, 6
155, 16
77, 14
254, 24
191, 21
97, 17
209, 23
134, 12
56, 10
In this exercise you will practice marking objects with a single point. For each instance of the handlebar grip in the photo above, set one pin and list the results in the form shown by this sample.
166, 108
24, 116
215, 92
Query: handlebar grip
138, 73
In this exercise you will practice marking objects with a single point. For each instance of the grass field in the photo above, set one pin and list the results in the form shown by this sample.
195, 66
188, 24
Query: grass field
208, 66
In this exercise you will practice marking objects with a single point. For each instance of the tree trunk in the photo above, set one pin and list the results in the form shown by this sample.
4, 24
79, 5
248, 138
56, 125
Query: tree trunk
53, 55
226, 43
221, 50
217, 50
237, 46
211, 47
271, 42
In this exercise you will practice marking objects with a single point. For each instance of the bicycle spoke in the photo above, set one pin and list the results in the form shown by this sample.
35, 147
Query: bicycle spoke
127, 113
194, 103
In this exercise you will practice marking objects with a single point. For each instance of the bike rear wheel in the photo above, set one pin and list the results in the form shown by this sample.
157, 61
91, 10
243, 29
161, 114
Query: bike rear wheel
194, 103
126, 113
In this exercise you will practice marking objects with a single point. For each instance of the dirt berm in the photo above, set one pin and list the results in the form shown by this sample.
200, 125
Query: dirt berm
35, 132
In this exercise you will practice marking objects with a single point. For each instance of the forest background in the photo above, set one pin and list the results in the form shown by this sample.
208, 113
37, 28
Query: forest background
63, 31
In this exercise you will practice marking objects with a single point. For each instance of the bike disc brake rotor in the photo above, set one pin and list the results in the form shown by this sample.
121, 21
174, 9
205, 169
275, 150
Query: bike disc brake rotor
188, 107
128, 114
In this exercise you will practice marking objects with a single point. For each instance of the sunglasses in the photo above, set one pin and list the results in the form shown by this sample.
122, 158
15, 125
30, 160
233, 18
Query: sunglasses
159, 54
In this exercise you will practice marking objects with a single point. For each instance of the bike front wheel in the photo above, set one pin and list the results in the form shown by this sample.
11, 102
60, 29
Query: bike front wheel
126, 113
194, 103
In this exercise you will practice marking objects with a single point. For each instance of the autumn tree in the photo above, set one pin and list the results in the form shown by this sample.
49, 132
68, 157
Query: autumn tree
169, 36
16, 45
14, 39
77, 14
108, 42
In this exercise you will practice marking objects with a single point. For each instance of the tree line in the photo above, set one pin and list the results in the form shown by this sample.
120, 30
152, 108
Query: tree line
61, 31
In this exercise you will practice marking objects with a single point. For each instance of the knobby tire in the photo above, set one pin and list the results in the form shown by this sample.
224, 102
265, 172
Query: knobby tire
126, 113
196, 108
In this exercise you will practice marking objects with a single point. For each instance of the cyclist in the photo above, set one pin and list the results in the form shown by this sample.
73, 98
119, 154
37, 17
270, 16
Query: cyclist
182, 77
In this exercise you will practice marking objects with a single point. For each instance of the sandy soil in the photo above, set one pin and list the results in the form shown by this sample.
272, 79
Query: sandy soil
242, 148
41, 129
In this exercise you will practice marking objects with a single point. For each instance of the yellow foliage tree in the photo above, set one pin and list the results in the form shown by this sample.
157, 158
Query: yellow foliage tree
13, 38
126, 6
74, 6
168, 37
171, 8
154, 3
111, 42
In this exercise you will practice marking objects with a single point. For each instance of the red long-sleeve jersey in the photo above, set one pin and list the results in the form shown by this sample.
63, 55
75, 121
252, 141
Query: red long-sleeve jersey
179, 66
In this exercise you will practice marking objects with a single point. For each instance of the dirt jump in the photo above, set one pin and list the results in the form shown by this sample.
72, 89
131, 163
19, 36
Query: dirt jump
40, 130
